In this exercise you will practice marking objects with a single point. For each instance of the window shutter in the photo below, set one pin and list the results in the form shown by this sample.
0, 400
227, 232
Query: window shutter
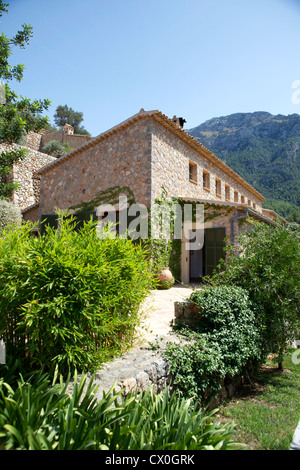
50, 220
214, 248
84, 217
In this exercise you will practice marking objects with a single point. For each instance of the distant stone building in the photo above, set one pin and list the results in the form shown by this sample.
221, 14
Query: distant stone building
37, 141
146, 152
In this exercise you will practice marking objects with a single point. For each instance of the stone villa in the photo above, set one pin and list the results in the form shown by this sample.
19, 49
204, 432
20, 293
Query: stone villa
146, 152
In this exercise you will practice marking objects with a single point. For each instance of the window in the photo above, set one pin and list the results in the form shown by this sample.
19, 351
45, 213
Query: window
242, 199
249, 202
236, 196
206, 180
193, 172
227, 193
218, 187
254, 205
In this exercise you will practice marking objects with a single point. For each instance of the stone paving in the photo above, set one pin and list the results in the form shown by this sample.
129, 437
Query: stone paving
159, 310
143, 364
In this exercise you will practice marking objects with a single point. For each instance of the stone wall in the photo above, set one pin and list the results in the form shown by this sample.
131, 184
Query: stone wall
186, 313
135, 371
120, 158
24, 173
31, 213
75, 140
156, 374
170, 167
33, 141
36, 141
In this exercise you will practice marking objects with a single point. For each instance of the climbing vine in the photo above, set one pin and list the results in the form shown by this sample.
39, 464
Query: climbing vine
165, 250
108, 196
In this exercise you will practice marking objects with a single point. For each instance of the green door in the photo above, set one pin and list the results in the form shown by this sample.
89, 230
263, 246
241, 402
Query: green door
213, 248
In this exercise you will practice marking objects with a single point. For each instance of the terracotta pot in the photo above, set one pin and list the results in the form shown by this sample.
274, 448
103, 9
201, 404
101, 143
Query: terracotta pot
165, 275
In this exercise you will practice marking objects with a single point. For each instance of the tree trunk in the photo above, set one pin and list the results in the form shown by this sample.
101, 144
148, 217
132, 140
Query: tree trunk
280, 359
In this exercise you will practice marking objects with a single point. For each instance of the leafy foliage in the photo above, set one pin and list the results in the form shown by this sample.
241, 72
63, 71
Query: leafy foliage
38, 414
269, 269
229, 319
196, 366
9, 214
7, 159
68, 296
18, 116
65, 115
22, 37
56, 148
225, 342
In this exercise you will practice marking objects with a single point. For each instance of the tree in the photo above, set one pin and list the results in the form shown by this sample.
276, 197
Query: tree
65, 115
18, 116
268, 267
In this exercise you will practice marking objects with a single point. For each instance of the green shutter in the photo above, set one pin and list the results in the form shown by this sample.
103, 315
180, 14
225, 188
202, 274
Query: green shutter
130, 218
83, 217
50, 220
213, 248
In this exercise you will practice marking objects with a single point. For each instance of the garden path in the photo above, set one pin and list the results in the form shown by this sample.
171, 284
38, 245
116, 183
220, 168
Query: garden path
158, 310
144, 363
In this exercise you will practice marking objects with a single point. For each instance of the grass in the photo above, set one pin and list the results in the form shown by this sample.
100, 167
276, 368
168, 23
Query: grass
267, 412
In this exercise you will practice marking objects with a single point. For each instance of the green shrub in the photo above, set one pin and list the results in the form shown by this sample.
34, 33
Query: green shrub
10, 214
38, 414
268, 268
228, 317
196, 366
224, 343
68, 296
56, 148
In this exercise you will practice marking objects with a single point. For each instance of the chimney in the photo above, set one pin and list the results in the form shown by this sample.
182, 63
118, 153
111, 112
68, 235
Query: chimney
179, 121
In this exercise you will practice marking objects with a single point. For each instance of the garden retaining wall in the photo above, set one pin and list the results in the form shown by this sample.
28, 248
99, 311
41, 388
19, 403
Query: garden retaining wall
145, 366
186, 313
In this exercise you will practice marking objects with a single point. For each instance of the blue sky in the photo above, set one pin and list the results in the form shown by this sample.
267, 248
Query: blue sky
197, 59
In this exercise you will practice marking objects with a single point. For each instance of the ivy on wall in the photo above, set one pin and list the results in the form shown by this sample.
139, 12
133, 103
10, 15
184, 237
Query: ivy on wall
165, 251
108, 196
217, 211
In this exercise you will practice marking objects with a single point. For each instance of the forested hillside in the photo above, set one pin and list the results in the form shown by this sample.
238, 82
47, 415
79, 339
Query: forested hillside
262, 148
